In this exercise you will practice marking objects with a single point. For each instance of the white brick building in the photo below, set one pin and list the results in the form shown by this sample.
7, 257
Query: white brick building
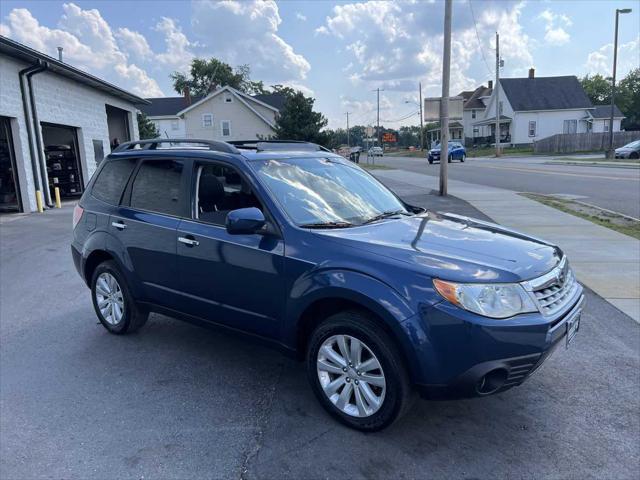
56, 125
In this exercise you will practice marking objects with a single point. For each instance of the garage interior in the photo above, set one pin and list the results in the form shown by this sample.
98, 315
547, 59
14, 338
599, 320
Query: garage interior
9, 189
118, 124
63, 160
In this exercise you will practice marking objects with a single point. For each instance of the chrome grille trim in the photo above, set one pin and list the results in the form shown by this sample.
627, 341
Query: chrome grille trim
554, 290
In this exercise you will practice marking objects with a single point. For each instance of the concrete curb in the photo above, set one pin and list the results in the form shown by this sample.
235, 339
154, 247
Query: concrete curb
606, 261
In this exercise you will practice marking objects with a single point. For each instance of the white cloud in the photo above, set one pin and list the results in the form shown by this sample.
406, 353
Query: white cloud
601, 60
177, 54
88, 42
301, 17
247, 32
555, 33
134, 43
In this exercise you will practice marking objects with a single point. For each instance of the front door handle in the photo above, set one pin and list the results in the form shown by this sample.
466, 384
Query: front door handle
190, 241
118, 225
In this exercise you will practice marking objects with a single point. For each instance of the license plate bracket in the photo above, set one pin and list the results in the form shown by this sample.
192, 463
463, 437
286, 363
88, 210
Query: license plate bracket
573, 325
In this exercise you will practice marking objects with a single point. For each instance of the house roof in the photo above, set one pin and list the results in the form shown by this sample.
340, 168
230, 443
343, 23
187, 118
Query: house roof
490, 120
275, 99
474, 100
167, 106
466, 94
22, 52
545, 93
604, 111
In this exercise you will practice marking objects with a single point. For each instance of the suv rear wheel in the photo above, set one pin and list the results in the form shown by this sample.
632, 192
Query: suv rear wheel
113, 302
356, 372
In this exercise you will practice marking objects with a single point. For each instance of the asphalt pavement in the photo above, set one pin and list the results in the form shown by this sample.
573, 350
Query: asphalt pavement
179, 401
614, 188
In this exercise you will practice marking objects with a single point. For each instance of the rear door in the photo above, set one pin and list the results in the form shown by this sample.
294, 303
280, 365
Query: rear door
145, 226
235, 280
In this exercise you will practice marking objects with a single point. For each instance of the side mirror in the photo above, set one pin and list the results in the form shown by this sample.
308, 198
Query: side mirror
245, 221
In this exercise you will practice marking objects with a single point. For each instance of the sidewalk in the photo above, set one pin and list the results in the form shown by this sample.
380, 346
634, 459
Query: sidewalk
606, 261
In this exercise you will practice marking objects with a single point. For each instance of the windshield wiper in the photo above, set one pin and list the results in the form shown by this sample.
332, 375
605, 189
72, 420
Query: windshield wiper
384, 215
327, 225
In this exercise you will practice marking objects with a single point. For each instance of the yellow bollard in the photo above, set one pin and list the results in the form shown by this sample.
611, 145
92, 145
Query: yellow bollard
57, 194
39, 201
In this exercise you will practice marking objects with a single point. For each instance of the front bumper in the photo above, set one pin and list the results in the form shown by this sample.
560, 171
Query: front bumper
468, 358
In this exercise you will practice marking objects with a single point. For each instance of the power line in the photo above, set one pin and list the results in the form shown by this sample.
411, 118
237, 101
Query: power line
478, 37
404, 117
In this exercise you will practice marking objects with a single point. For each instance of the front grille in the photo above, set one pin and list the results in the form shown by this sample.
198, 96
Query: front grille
553, 291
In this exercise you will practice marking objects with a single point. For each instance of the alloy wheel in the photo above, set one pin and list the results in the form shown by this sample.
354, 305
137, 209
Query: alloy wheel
351, 376
109, 298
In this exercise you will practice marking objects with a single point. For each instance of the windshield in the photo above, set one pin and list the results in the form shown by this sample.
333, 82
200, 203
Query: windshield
635, 144
319, 191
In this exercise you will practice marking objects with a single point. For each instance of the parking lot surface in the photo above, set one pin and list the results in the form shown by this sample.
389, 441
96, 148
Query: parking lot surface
179, 401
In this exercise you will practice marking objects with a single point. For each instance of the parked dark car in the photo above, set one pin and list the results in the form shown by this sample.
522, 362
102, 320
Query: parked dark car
630, 150
456, 151
305, 250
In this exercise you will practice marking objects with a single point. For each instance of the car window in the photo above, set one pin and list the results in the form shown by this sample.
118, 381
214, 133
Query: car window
220, 189
322, 190
112, 180
157, 187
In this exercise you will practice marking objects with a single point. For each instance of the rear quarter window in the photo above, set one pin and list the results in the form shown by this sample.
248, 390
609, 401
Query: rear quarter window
112, 180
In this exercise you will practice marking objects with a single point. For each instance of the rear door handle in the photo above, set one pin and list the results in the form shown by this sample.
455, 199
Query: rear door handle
190, 241
118, 225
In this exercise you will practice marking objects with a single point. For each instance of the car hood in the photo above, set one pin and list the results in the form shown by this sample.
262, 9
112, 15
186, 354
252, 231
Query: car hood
454, 248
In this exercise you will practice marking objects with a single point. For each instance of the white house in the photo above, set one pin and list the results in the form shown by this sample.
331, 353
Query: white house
225, 114
600, 117
475, 104
534, 108
56, 125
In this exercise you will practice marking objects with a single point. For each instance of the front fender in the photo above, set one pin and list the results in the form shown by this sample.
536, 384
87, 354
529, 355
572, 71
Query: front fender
343, 284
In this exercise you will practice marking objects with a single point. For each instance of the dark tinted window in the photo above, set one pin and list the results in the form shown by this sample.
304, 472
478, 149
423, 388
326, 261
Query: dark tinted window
157, 187
112, 180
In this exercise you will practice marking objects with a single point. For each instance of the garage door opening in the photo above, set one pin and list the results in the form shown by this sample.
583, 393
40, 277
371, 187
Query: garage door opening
63, 159
9, 189
118, 124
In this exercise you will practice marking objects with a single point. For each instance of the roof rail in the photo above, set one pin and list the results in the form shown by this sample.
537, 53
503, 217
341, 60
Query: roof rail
152, 144
266, 145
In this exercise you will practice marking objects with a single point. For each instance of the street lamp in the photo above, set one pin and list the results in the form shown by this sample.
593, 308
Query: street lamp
421, 127
611, 151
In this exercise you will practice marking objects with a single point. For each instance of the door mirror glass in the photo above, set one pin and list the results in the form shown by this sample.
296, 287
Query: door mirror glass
244, 221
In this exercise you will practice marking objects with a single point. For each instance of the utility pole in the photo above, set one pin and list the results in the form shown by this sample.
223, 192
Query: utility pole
497, 95
421, 126
348, 138
378, 121
444, 101
611, 151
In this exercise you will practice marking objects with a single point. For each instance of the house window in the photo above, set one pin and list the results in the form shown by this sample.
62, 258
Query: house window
500, 107
473, 114
570, 126
175, 125
225, 126
532, 128
207, 120
476, 131
606, 126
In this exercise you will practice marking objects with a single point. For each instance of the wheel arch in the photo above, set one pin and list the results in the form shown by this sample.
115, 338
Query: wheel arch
94, 259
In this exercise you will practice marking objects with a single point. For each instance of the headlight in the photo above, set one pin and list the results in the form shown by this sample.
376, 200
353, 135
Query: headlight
495, 300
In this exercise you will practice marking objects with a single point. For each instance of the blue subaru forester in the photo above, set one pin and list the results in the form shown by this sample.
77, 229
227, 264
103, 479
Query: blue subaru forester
300, 247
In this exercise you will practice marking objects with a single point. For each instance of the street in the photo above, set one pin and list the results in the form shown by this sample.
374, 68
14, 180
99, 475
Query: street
179, 401
613, 188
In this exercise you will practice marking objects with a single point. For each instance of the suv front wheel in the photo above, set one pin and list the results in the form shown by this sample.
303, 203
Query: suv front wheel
113, 302
356, 372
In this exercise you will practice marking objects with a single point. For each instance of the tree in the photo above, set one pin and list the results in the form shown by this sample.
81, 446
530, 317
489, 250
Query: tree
146, 128
207, 75
628, 99
597, 88
298, 121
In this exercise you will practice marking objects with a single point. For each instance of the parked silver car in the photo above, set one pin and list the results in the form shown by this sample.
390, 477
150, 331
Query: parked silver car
630, 150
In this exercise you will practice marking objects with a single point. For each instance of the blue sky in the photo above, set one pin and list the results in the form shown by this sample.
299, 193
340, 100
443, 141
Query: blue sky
339, 52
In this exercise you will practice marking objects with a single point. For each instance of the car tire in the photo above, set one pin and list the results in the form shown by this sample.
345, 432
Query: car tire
394, 397
430, 161
463, 157
110, 294
634, 155
450, 159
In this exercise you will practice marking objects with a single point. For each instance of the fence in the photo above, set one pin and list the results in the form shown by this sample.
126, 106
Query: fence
583, 142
